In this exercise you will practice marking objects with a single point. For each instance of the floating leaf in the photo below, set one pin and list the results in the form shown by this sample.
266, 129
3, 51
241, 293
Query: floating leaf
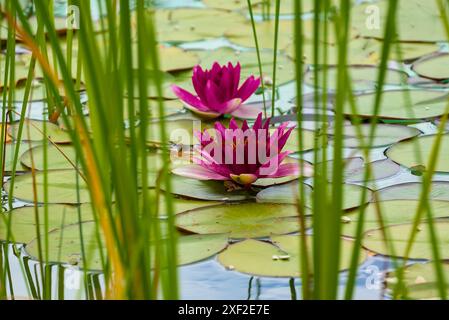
416, 20
23, 220
244, 220
398, 237
386, 134
280, 259
33, 130
413, 190
431, 67
405, 152
420, 282
288, 194
190, 24
249, 63
63, 186
205, 190
10, 149
393, 212
355, 169
65, 246
363, 78
408, 105
308, 141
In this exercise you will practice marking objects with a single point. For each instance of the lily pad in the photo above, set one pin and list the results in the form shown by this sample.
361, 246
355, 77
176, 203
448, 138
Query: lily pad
420, 281
406, 105
65, 246
249, 63
431, 67
413, 190
363, 77
33, 130
190, 24
398, 236
288, 194
308, 141
10, 149
23, 220
205, 190
63, 186
416, 20
245, 220
405, 153
355, 168
386, 134
280, 258
393, 212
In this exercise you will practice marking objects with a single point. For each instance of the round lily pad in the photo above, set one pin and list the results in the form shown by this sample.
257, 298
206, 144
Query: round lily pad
288, 194
386, 134
244, 220
308, 141
407, 105
363, 77
420, 282
280, 258
63, 186
33, 130
65, 246
405, 153
393, 212
413, 190
249, 63
431, 68
416, 20
398, 236
205, 190
10, 149
191, 24
23, 220
355, 168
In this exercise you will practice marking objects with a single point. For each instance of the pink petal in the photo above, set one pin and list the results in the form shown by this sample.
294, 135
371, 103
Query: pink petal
248, 88
246, 111
203, 114
198, 172
188, 98
212, 100
232, 105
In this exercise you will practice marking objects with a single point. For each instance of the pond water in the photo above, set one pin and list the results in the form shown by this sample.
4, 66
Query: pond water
209, 279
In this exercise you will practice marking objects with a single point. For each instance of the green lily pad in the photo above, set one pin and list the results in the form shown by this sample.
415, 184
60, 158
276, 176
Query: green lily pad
245, 220
386, 134
23, 220
416, 20
362, 77
205, 190
393, 212
355, 168
420, 282
308, 141
190, 24
229, 5
63, 186
249, 63
288, 194
431, 68
362, 51
10, 149
65, 246
413, 190
277, 259
425, 104
21, 67
398, 236
404, 152
33, 130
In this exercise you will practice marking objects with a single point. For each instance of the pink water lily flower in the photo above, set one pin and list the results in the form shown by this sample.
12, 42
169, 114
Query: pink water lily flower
242, 155
217, 91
